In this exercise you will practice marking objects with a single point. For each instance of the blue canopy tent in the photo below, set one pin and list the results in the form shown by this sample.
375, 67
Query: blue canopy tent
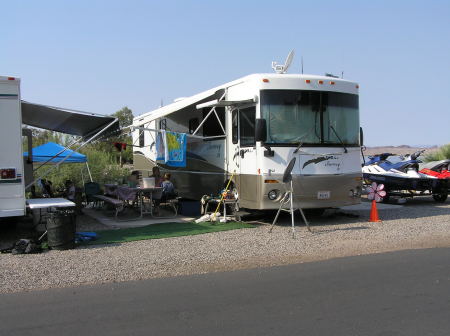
54, 153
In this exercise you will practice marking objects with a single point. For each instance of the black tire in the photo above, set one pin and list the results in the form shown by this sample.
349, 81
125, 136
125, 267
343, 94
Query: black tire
440, 198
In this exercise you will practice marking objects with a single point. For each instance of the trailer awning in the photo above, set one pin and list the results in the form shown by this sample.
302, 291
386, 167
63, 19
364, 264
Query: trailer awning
65, 120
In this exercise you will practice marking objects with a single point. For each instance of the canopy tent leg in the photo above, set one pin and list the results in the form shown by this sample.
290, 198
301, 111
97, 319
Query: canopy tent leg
89, 171
82, 176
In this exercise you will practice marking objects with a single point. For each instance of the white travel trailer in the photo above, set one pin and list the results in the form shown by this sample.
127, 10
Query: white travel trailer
12, 182
252, 127
16, 172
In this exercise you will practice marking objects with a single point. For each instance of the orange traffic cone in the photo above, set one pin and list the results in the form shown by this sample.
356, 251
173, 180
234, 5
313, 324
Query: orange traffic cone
374, 213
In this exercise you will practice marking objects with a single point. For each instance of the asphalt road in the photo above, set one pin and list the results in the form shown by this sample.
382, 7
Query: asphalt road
401, 293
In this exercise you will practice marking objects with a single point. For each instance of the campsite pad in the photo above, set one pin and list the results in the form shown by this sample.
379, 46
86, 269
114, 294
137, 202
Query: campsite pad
163, 230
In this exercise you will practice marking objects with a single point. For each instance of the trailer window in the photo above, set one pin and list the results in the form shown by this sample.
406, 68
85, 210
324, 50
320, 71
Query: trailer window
247, 126
211, 126
234, 126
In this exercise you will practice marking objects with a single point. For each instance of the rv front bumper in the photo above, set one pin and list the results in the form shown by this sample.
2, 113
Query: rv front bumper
312, 191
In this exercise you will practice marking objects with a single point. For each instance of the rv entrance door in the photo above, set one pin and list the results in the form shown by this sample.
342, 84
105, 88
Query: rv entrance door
247, 156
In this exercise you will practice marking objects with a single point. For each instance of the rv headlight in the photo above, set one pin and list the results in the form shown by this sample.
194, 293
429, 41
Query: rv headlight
273, 194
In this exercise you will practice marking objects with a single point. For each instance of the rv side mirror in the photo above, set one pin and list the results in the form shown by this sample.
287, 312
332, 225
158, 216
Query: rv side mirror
361, 137
260, 130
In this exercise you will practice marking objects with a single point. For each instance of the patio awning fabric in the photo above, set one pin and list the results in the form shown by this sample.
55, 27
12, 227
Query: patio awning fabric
50, 150
65, 121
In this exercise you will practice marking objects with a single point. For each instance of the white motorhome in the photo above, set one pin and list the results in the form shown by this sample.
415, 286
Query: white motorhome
16, 172
253, 127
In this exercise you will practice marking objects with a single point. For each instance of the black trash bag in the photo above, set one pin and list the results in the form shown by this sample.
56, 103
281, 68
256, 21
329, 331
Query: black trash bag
26, 246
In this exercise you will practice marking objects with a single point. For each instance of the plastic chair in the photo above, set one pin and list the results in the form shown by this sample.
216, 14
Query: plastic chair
157, 197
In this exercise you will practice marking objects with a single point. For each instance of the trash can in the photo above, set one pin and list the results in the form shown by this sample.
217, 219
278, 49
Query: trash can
190, 208
61, 229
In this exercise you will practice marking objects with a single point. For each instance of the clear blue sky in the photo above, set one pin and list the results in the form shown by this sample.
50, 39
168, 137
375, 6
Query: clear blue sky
99, 56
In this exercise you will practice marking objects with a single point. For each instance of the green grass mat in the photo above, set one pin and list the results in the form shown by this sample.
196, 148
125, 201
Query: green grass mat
163, 230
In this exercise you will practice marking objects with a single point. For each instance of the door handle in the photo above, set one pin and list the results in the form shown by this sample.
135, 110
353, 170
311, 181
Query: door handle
242, 153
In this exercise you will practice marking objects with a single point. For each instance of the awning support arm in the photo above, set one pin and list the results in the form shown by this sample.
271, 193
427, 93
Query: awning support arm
213, 109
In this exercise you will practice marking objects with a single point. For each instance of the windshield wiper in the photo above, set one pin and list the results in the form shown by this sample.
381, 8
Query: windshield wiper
300, 143
342, 142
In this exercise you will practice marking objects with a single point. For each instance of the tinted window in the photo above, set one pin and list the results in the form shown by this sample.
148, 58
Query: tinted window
141, 139
247, 126
211, 126
309, 117
234, 126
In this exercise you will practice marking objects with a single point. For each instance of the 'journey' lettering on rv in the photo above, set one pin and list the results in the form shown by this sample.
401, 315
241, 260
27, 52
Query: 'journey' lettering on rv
324, 158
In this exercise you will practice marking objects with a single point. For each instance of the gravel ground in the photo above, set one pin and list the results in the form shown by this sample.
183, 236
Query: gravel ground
421, 223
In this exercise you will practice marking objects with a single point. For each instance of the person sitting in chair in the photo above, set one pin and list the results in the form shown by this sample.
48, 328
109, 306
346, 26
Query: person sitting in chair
69, 193
156, 173
168, 191
133, 179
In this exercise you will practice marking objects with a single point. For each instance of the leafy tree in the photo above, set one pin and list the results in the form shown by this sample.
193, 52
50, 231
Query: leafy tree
125, 117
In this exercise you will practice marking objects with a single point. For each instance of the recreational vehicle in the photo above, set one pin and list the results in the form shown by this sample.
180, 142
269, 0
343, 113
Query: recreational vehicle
250, 129
16, 171
12, 181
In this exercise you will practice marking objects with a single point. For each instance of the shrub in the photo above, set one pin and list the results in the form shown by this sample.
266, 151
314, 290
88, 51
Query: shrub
442, 153
103, 166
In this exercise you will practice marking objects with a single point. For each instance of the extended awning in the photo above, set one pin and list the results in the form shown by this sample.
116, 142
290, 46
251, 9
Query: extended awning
66, 121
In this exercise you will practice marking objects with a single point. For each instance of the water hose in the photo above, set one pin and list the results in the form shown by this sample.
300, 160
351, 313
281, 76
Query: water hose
221, 196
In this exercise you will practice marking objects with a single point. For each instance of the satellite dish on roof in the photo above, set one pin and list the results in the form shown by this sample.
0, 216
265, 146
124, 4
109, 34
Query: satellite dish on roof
281, 69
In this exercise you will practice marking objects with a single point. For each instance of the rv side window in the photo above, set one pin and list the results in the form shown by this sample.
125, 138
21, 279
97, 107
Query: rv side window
141, 138
193, 124
211, 126
247, 126
163, 124
234, 126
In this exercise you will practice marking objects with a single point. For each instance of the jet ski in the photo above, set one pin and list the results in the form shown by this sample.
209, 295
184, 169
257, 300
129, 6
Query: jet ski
439, 169
401, 177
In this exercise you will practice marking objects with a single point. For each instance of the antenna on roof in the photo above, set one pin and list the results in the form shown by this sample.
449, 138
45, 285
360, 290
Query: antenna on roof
302, 65
281, 69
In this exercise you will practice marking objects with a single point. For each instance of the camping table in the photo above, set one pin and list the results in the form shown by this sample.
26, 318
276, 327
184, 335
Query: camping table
45, 203
129, 193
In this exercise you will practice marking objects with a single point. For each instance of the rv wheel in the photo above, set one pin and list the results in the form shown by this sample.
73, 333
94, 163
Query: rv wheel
440, 198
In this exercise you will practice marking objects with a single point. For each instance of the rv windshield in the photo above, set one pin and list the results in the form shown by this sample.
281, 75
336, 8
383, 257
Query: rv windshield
295, 116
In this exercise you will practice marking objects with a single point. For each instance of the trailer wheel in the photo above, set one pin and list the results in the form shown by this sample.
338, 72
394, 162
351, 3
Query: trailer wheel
440, 198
